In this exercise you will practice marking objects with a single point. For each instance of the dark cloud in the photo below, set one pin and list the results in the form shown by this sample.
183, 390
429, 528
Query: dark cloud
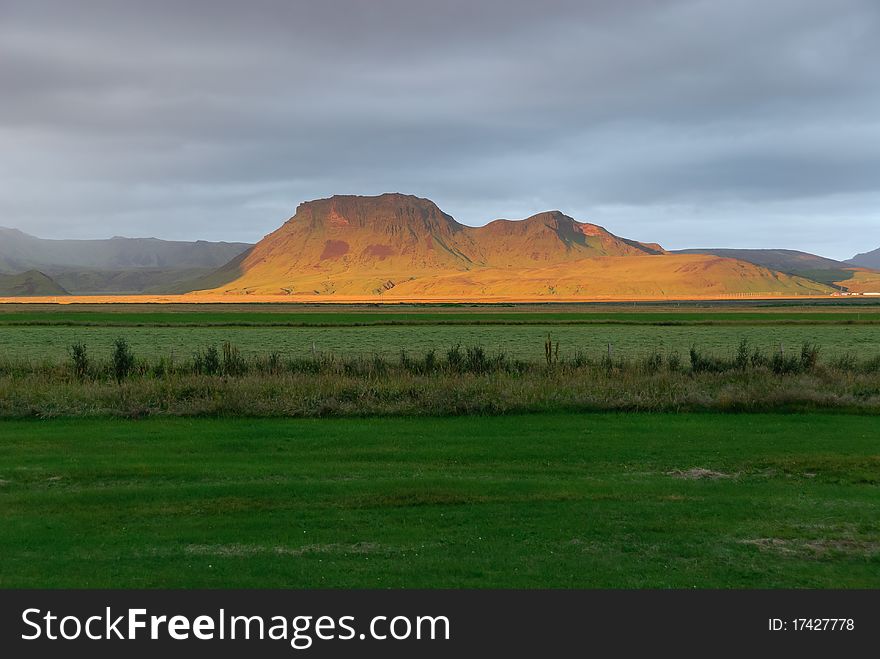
735, 122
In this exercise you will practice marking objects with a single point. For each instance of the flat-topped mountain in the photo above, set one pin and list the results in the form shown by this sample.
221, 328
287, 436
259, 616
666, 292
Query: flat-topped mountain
370, 244
396, 245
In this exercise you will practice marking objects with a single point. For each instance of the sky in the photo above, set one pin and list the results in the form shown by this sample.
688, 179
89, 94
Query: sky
715, 123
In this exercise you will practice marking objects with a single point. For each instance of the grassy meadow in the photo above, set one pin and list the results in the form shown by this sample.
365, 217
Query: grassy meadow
551, 500
361, 331
519, 341
729, 446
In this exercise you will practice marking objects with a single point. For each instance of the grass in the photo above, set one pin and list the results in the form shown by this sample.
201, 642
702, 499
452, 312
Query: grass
519, 341
407, 315
457, 381
178, 448
549, 500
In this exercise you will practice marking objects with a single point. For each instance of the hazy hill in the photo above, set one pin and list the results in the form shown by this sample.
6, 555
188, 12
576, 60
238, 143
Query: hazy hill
399, 245
116, 265
32, 283
867, 259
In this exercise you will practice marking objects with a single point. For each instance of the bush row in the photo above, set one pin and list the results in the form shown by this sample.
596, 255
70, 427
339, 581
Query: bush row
228, 361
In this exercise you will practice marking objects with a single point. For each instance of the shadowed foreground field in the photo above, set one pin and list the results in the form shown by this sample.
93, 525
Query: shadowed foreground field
544, 500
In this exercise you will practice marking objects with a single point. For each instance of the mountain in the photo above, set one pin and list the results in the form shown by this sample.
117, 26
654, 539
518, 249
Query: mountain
116, 265
32, 283
397, 245
867, 259
841, 275
784, 260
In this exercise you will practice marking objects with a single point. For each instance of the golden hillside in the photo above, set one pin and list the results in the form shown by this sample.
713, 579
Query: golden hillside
402, 246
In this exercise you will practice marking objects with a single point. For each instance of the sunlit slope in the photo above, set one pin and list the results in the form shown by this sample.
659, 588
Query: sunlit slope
659, 276
861, 281
402, 246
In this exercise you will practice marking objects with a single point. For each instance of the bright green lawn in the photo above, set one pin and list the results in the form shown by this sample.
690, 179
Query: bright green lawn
532, 501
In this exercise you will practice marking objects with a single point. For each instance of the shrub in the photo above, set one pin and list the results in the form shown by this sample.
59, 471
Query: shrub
759, 360
782, 364
652, 363
847, 363
430, 365
476, 361
701, 363
273, 363
809, 356
123, 359
379, 365
741, 361
162, 367
454, 358
872, 365
212, 360
233, 362
580, 360
551, 350
80, 360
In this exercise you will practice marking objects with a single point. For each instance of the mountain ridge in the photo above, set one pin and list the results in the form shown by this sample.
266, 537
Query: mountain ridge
113, 265
867, 259
393, 244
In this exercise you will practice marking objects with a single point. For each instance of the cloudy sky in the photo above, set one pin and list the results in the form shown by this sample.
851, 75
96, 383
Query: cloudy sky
740, 123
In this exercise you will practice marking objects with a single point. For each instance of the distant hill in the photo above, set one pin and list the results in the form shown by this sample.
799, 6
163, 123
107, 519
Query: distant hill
32, 283
867, 259
115, 265
839, 274
784, 260
397, 245
130, 282
212, 279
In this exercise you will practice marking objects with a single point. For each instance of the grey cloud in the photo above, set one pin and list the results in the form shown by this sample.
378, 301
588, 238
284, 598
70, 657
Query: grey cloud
214, 119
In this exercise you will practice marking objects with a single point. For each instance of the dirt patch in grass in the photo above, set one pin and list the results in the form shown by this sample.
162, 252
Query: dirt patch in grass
821, 548
698, 473
239, 550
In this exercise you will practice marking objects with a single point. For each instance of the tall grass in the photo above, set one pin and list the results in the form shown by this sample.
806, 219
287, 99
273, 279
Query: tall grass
455, 381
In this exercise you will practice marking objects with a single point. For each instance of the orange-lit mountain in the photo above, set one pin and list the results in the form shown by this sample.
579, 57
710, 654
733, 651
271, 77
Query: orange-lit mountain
396, 245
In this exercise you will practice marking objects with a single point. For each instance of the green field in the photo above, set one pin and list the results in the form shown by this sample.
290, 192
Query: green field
269, 315
521, 501
46, 332
172, 475
519, 341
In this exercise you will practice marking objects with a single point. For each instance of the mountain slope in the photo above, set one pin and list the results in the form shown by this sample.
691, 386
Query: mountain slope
838, 274
659, 276
116, 265
402, 246
20, 251
867, 259
784, 260
32, 283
